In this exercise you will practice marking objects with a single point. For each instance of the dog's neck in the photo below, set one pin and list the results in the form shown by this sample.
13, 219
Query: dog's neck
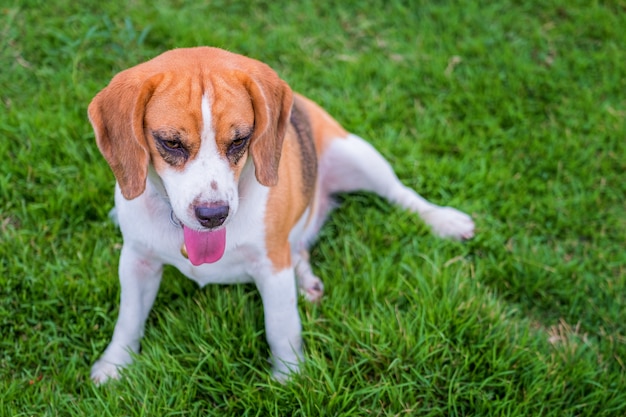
156, 183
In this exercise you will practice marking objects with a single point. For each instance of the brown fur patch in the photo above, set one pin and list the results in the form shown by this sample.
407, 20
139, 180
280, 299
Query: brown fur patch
286, 203
289, 199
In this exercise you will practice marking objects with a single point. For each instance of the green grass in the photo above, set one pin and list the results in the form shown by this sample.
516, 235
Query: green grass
513, 111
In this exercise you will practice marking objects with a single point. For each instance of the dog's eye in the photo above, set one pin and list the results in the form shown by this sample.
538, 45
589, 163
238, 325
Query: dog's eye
171, 147
238, 143
168, 140
172, 144
237, 148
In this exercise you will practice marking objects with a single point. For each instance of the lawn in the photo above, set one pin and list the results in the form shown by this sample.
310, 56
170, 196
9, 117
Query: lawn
513, 111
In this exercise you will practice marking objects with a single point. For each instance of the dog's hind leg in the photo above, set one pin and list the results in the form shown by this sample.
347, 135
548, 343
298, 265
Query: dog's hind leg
310, 286
352, 164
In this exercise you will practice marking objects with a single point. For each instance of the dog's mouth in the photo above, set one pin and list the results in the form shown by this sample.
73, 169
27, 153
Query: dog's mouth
204, 247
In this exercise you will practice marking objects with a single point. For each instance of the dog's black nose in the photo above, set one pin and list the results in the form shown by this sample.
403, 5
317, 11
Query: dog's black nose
211, 216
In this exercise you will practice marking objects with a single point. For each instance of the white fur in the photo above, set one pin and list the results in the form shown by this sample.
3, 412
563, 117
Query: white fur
353, 164
152, 240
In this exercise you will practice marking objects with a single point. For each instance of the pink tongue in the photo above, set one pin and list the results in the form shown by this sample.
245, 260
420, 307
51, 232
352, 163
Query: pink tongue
204, 247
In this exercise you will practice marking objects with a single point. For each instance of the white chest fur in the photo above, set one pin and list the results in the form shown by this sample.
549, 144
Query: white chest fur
146, 227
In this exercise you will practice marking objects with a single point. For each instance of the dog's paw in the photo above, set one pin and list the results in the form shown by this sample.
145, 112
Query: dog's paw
280, 376
108, 367
282, 372
103, 371
311, 288
448, 222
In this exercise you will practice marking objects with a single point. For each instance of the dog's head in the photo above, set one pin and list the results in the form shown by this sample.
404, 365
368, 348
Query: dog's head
195, 115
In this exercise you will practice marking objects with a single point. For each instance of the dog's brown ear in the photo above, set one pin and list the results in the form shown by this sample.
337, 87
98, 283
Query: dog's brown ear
116, 114
272, 99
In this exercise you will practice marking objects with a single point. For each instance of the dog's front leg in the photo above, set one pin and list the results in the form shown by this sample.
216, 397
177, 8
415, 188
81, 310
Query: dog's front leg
139, 278
282, 320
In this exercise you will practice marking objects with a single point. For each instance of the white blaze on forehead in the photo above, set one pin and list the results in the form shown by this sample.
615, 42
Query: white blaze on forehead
210, 161
210, 166
208, 132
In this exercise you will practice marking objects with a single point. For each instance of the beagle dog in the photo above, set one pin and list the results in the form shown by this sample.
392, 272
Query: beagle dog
225, 173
